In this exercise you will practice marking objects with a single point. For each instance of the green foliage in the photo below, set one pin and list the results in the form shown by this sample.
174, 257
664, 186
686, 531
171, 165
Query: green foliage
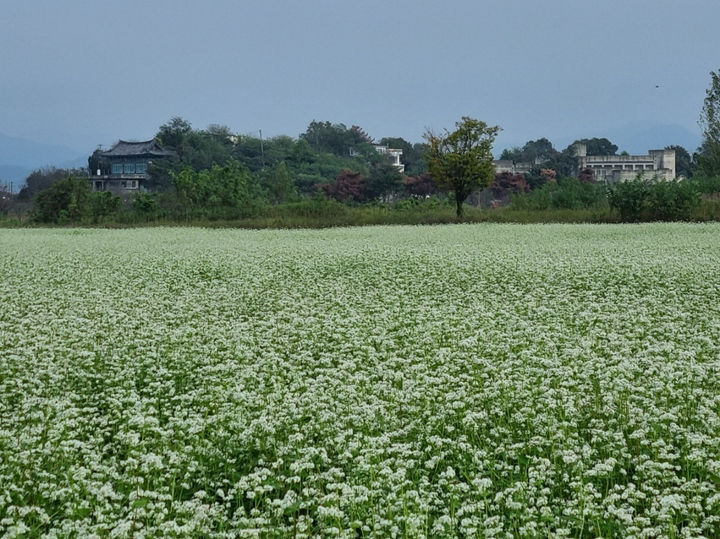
42, 179
317, 157
564, 163
173, 133
654, 200
71, 200
228, 186
684, 165
566, 193
334, 138
65, 200
596, 146
540, 150
708, 156
145, 204
672, 201
431, 203
413, 156
103, 204
462, 160
629, 198
384, 180
196, 149
707, 185
535, 178
278, 184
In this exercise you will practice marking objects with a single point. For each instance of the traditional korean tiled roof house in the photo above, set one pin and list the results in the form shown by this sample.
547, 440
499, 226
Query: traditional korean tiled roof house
124, 167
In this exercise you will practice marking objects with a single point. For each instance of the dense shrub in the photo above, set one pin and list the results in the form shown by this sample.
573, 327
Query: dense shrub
71, 200
672, 201
567, 193
628, 198
654, 200
145, 205
220, 192
706, 185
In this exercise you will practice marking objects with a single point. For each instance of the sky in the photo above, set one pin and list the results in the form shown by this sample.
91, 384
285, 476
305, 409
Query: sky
86, 72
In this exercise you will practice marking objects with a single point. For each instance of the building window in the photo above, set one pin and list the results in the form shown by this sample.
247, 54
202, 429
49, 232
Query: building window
117, 168
123, 184
141, 168
98, 186
129, 168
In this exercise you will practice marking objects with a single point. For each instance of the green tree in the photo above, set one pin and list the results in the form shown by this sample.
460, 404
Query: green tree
413, 156
513, 154
103, 204
199, 150
42, 179
462, 160
336, 138
595, 146
384, 180
540, 151
708, 156
71, 200
145, 204
629, 198
278, 184
226, 186
173, 133
683, 161
564, 163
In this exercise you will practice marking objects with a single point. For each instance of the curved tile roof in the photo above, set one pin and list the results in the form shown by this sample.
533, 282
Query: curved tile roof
136, 149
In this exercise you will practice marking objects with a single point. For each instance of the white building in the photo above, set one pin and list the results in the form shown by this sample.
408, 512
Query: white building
617, 168
507, 165
394, 155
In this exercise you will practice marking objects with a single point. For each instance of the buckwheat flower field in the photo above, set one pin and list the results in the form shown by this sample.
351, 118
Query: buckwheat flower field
469, 380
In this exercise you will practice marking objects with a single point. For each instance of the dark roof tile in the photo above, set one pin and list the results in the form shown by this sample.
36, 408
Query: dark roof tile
146, 148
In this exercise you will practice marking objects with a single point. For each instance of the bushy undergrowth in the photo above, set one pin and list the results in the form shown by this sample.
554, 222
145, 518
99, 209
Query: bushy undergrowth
565, 194
566, 200
469, 380
655, 200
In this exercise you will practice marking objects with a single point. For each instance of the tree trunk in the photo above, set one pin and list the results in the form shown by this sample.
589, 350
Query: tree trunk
459, 199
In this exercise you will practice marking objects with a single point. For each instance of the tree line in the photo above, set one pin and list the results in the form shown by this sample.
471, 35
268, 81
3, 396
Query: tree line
215, 174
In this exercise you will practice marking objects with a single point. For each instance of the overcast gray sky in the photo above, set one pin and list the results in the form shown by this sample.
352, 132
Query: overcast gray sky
87, 72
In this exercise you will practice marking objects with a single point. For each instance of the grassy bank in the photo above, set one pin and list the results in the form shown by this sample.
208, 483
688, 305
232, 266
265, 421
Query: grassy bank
570, 202
304, 215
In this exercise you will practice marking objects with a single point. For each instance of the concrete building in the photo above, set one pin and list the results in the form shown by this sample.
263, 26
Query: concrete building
507, 165
617, 168
394, 155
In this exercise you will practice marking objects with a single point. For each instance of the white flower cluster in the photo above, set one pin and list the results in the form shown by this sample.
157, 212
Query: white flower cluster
484, 380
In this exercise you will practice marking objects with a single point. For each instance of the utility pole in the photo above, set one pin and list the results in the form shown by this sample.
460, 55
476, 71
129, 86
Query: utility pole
262, 150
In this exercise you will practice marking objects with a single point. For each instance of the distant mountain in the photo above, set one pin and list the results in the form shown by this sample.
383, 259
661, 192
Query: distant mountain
638, 140
14, 174
19, 157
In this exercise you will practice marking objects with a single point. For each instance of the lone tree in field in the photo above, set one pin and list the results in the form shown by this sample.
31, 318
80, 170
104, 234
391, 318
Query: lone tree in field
462, 160
709, 153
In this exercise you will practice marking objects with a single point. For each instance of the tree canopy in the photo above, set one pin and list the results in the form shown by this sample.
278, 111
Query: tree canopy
534, 151
708, 155
596, 146
683, 161
462, 160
